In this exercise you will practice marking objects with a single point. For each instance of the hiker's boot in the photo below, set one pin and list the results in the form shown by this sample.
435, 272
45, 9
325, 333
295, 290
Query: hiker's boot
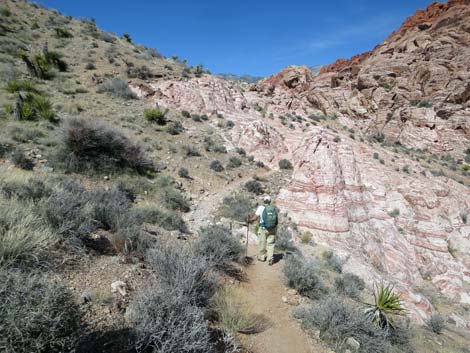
270, 262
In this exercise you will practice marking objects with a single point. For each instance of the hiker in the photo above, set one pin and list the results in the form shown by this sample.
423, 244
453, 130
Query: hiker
267, 216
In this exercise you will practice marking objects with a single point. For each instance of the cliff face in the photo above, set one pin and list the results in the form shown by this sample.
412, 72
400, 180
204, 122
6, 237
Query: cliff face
381, 206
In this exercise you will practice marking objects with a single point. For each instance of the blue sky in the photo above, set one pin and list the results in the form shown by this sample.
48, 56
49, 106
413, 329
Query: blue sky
257, 37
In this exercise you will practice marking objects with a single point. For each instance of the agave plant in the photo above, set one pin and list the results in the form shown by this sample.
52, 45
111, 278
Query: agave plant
387, 304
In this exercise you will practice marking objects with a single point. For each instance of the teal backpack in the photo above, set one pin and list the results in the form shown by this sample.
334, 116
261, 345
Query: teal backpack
269, 217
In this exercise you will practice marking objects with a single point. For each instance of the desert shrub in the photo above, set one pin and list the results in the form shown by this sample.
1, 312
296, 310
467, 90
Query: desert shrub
117, 88
36, 315
25, 134
233, 313
185, 114
333, 261
196, 118
127, 37
376, 155
191, 151
216, 166
337, 321
15, 86
175, 200
285, 164
156, 115
394, 213
378, 137
285, 239
254, 187
90, 66
217, 148
142, 72
24, 236
219, 245
241, 151
349, 284
31, 189
306, 237
406, 169
301, 275
165, 322
337, 139
184, 272
237, 207
20, 160
93, 146
175, 128
234, 162
153, 215
436, 323
183, 173
230, 124
62, 32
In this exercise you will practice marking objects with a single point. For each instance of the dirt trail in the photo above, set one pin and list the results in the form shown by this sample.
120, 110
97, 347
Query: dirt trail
264, 290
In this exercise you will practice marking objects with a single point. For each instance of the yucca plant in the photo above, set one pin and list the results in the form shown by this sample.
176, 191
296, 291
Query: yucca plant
387, 304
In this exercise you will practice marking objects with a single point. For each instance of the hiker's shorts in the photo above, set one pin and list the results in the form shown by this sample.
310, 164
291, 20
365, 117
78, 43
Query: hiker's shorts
266, 242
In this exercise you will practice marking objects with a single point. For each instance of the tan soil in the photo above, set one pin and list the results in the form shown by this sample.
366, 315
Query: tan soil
264, 292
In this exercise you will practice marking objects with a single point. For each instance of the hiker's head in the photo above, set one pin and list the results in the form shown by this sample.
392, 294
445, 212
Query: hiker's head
267, 199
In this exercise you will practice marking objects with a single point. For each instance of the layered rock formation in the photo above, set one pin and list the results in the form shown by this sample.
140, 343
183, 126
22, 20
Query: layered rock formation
385, 214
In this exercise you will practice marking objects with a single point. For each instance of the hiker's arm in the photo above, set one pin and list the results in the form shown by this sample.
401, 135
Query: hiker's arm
251, 219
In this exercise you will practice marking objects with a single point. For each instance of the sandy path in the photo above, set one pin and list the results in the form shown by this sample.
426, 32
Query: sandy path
264, 291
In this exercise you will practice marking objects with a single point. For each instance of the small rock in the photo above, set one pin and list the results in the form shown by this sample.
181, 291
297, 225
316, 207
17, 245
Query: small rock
106, 177
353, 344
284, 299
120, 287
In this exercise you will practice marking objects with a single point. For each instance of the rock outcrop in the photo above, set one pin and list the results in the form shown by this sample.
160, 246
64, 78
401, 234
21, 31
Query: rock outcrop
385, 213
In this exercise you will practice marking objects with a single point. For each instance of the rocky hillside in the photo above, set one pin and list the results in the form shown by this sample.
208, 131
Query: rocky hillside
379, 145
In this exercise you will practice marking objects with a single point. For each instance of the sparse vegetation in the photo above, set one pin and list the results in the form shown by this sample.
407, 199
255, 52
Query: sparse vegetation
234, 162
92, 146
349, 284
36, 315
237, 207
117, 88
254, 187
184, 173
156, 115
394, 213
387, 304
217, 166
285, 164
436, 323
301, 274
62, 32
333, 261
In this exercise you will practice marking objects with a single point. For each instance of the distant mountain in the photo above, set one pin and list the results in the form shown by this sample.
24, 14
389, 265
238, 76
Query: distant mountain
243, 78
315, 69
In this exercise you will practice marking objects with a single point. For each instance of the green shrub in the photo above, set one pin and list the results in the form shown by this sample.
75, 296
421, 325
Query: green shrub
349, 284
175, 128
185, 114
62, 32
216, 166
127, 37
165, 322
406, 169
20, 160
117, 88
436, 323
285, 239
165, 219
285, 164
24, 236
15, 86
183, 272
191, 151
36, 315
376, 155
237, 207
234, 162
230, 124
196, 118
301, 275
24, 134
41, 65
184, 173
337, 139
394, 213
219, 245
31, 189
333, 261
156, 115
142, 72
337, 321
241, 151
174, 200
95, 147
254, 187
90, 66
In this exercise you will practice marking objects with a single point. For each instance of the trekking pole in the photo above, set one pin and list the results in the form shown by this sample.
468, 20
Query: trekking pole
247, 232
